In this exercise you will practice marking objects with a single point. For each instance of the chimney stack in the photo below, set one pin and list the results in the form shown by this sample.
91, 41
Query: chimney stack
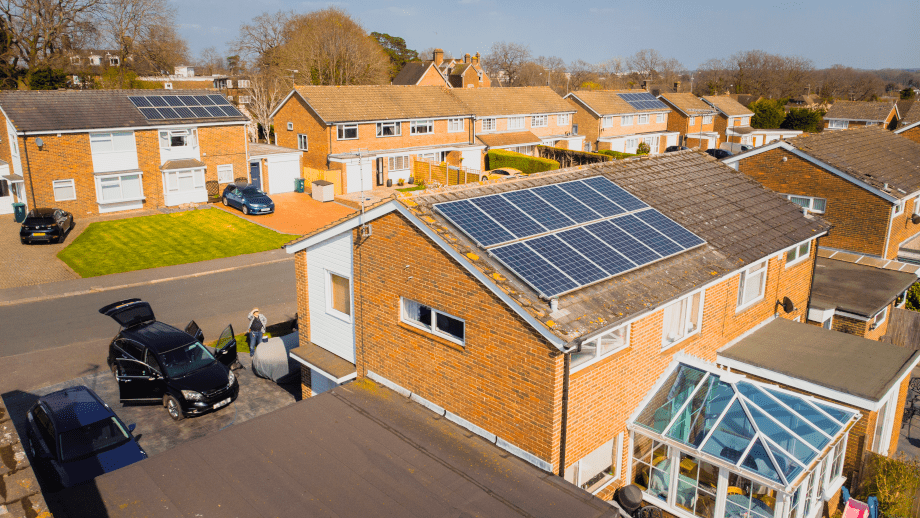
676, 86
438, 57
466, 57
476, 59
645, 84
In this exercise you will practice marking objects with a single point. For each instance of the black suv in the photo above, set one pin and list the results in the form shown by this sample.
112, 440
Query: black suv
155, 362
50, 225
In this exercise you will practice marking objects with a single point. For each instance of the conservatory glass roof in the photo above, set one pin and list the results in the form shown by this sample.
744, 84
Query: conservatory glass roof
753, 426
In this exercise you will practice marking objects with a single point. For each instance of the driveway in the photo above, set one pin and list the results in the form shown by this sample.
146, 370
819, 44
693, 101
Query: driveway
296, 213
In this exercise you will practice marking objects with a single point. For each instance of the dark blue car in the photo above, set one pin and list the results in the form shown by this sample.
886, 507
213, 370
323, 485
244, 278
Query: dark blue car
73, 436
248, 198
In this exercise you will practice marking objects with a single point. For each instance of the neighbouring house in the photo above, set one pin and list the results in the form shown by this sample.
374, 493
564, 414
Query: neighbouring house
373, 134
848, 114
733, 124
746, 99
865, 182
620, 120
235, 88
570, 316
451, 72
145, 149
909, 126
518, 119
84, 63
693, 119
274, 168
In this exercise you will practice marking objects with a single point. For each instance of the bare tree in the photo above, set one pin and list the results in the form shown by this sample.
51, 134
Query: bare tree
258, 41
124, 22
427, 54
266, 90
211, 62
581, 72
160, 50
505, 60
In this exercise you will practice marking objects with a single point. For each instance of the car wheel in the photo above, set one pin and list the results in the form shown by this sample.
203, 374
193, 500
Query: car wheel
173, 408
224, 200
245, 210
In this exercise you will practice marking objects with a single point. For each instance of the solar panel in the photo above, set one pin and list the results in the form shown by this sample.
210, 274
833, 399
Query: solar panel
648, 235
150, 113
156, 100
643, 101
189, 100
615, 193
173, 100
670, 228
539, 210
184, 112
203, 100
616, 238
534, 270
508, 216
566, 204
168, 113
215, 111
474, 223
591, 198
185, 106
199, 111
218, 99
140, 102
568, 261
594, 249
231, 111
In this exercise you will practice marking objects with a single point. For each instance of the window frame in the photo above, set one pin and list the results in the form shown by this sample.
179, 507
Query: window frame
416, 125
799, 255
330, 309
707, 119
223, 168
243, 99
303, 142
394, 161
763, 265
838, 124
665, 344
196, 175
190, 134
539, 121
397, 129
243, 83
290, 126
811, 203
659, 118
491, 124
598, 353
898, 208
340, 130
434, 317
645, 117
451, 125
626, 120
54, 187
99, 179
563, 119
616, 466
109, 136
879, 318
691, 120
517, 123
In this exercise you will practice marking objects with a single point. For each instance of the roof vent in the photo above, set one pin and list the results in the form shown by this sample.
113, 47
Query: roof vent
554, 304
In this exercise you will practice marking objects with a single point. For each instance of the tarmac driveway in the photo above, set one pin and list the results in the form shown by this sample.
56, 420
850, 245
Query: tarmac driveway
296, 213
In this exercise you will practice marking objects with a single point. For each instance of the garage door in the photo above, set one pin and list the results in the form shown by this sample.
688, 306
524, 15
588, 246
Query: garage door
355, 179
281, 173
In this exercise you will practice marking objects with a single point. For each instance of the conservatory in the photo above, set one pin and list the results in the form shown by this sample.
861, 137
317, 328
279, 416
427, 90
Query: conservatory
710, 443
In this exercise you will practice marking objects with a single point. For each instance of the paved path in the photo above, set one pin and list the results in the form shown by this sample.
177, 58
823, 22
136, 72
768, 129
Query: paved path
296, 213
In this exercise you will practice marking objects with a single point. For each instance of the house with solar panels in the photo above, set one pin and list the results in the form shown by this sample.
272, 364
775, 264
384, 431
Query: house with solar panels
621, 120
733, 123
101, 151
693, 119
585, 319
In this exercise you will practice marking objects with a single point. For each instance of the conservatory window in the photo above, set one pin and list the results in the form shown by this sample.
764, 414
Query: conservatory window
748, 498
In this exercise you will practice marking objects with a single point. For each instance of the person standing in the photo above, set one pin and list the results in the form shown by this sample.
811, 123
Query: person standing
257, 322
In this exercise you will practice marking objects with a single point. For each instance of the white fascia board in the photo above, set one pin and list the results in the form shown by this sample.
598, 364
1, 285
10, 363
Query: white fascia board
905, 128
134, 128
853, 316
851, 120
283, 102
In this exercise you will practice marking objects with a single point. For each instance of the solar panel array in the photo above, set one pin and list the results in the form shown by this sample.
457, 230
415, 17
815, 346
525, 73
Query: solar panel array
643, 101
162, 107
561, 237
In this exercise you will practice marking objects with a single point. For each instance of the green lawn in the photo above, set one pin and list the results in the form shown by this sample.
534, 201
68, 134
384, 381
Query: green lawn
165, 239
413, 188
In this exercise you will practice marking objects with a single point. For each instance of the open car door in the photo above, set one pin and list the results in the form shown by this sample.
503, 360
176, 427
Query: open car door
226, 347
137, 381
129, 312
193, 329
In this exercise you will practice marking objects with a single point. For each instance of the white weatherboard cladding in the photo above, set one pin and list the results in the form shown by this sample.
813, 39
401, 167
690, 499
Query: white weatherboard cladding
282, 170
326, 330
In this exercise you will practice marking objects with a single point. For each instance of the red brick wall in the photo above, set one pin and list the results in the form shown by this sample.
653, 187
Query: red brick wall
902, 229
588, 124
432, 78
221, 145
308, 123
860, 218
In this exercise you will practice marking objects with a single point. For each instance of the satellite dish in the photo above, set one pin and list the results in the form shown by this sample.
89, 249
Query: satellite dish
788, 305
39, 142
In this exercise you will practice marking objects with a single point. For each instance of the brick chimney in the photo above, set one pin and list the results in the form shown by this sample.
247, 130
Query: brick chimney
476, 59
438, 57
644, 84
466, 57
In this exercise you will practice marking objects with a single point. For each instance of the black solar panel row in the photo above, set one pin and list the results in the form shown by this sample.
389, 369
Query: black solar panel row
643, 101
159, 107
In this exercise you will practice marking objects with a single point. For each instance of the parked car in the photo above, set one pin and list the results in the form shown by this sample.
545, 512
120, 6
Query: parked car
718, 153
504, 172
675, 148
73, 436
50, 225
156, 363
248, 198
735, 148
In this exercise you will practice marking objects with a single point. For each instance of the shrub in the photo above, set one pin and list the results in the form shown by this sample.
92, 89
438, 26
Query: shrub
643, 149
803, 119
894, 481
768, 113
616, 154
498, 158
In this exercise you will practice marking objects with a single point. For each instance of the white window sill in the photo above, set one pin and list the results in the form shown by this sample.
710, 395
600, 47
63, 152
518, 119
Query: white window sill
433, 332
355, 138
378, 136
72, 199
749, 304
834, 487
339, 315
667, 345
112, 202
592, 361
797, 261
605, 484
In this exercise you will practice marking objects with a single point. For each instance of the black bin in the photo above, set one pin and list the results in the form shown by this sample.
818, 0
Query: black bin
19, 212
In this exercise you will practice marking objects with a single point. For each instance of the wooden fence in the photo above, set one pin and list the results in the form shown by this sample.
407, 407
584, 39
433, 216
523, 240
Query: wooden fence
434, 174
330, 175
570, 157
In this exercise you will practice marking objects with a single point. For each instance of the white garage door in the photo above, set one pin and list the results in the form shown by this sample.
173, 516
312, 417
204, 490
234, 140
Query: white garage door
354, 176
282, 171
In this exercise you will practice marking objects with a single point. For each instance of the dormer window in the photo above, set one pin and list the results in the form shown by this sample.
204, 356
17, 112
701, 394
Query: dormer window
94, 60
113, 61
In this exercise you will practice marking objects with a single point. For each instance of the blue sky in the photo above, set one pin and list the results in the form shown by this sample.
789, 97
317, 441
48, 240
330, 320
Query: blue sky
875, 34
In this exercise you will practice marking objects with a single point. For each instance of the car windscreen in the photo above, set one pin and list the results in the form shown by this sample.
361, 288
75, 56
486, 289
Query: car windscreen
252, 191
95, 437
183, 360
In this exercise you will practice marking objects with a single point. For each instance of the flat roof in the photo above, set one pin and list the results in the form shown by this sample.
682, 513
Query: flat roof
357, 450
856, 288
839, 361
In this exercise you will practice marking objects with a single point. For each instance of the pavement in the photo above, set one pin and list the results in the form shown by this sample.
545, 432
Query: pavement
296, 213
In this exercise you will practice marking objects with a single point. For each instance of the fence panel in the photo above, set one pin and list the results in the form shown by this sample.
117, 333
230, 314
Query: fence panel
435, 174
330, 175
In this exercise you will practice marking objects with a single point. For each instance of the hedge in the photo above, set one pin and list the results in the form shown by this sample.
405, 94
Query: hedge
616, 154
498, 158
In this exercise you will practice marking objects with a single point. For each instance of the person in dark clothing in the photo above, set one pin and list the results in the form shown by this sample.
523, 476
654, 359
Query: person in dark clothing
257, 322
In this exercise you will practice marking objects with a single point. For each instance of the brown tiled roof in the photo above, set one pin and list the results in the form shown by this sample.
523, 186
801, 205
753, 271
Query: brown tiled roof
58, 110
183, 163
859, 110
522, 138
606, 102
687, 103
381, 102
870, 154
727, 105
411, 73
257, 149
912, 115
486, 102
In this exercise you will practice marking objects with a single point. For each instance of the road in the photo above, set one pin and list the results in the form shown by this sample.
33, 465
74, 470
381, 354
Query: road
54, 340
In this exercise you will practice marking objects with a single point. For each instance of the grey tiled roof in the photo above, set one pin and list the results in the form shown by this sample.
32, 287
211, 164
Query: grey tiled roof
62, 110
911, 115
859, 110
411, 73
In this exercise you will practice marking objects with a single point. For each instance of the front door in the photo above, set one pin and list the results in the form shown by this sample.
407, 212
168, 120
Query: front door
137, 381
255, 175
226, 347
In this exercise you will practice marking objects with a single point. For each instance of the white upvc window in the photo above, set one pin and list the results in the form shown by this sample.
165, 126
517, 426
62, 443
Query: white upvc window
398, 163
901, 299
422, 127
809, 203
243, 83
455, 125
607, 121
389, 129
433, 321
691, 121
170, 139
347, 131
659, 118
752, 284
681, 319
707, 119
488, 124
596, 348
626, 120
119, 187
538, 121
303, 142
119, 142
643, 119
515, 123
184, 181
838, 124
600, 468
917, 205
898, 208
563, 119
64, 190
745, 121
290, 125
225, 173
798, 254
338, 296
113, 60
244, 99
631, 145
879, 318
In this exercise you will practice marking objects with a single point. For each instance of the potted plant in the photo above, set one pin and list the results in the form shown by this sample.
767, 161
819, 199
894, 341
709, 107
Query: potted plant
400, 182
